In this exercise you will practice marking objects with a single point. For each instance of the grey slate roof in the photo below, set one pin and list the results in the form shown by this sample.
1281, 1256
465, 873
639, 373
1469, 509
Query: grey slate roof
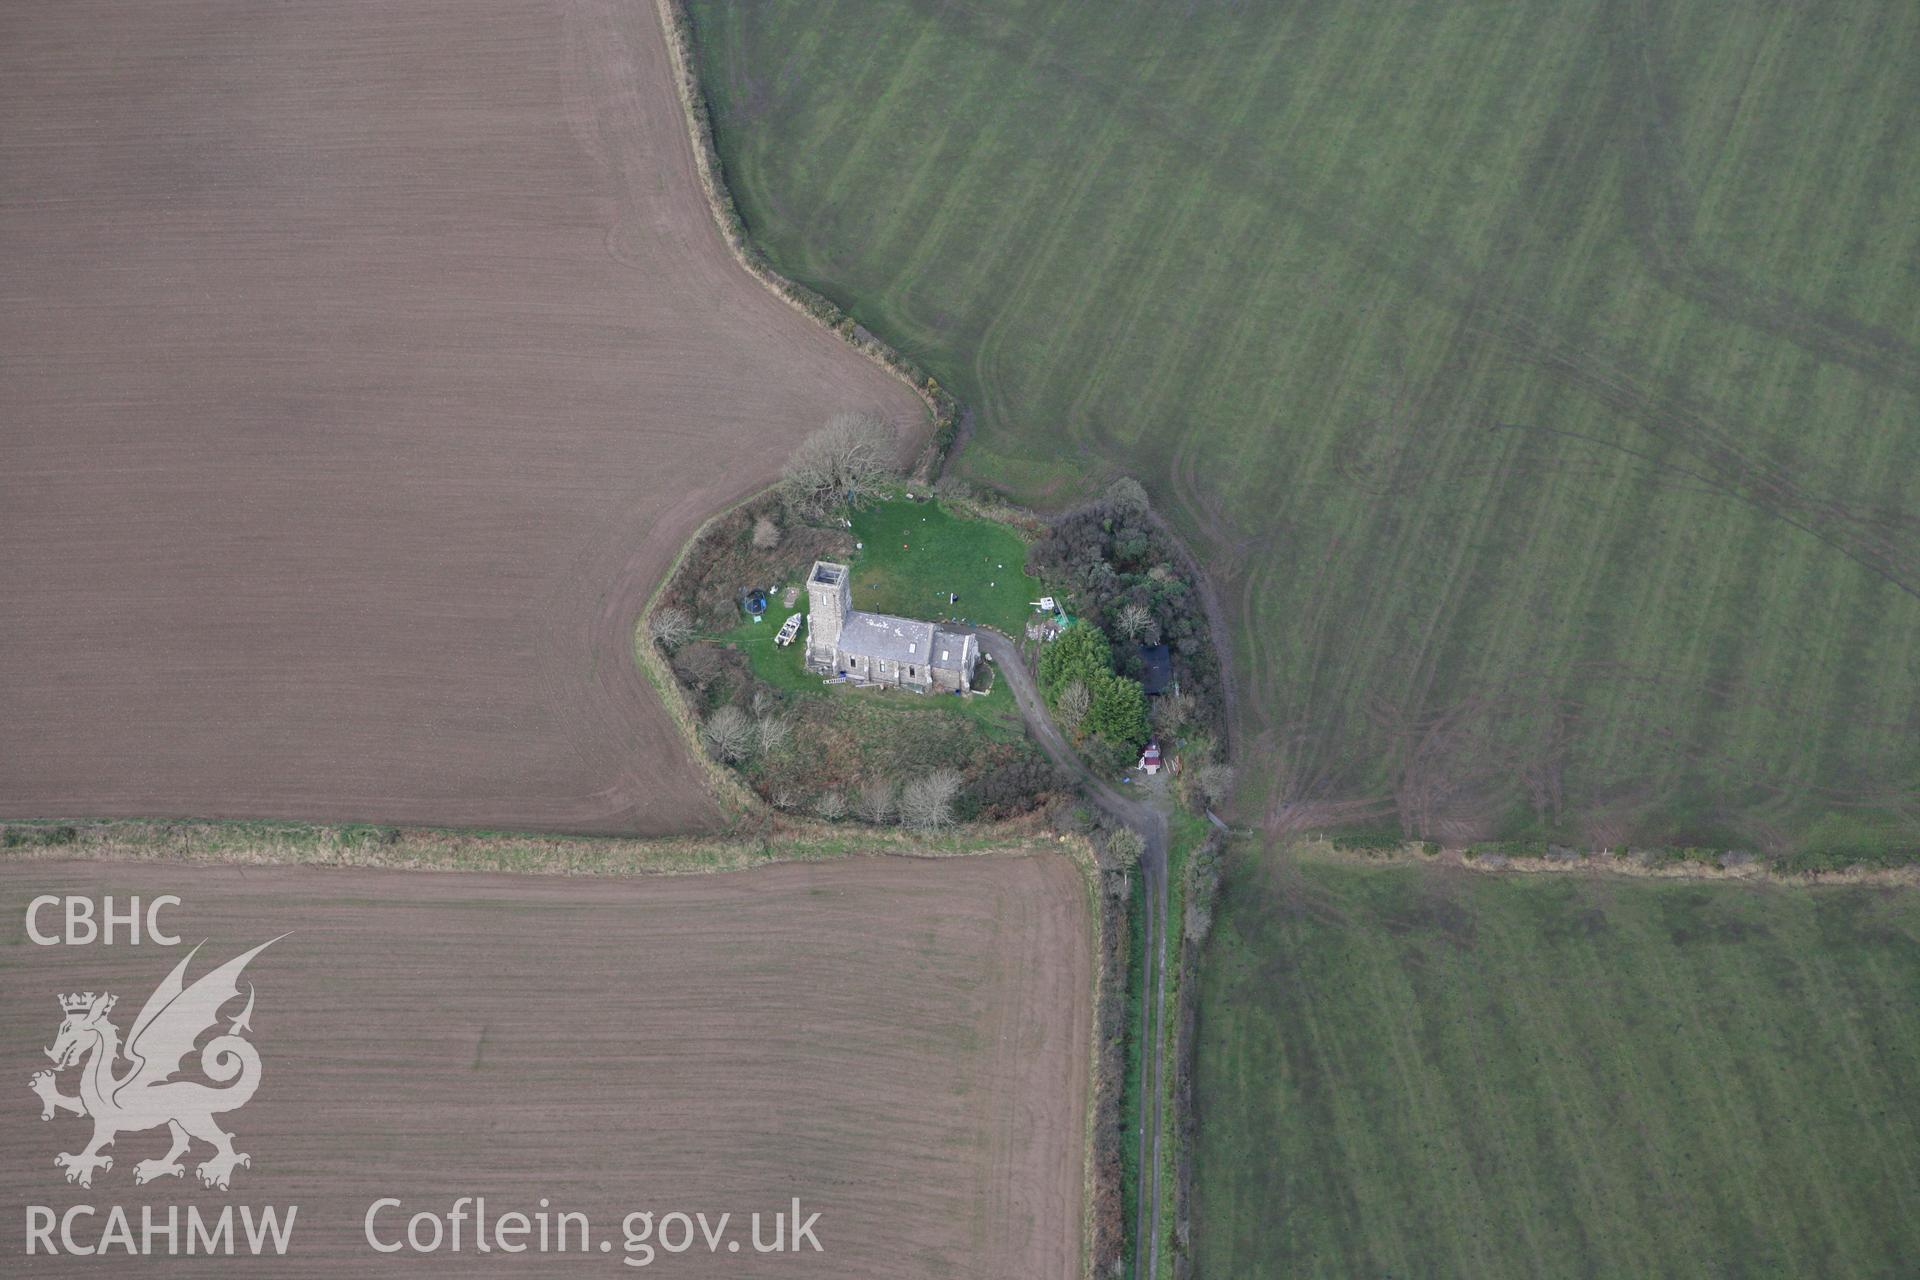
954, 646
885, 638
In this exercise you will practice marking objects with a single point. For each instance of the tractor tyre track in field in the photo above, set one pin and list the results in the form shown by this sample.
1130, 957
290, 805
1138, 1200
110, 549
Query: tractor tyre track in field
1495, 313
1659, 212
1768, 484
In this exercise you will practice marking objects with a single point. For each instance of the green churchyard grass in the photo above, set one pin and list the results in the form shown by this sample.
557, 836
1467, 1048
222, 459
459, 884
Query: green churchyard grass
916, 552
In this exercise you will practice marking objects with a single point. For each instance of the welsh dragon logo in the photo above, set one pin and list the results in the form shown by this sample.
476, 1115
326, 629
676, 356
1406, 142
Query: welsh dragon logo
145, 1095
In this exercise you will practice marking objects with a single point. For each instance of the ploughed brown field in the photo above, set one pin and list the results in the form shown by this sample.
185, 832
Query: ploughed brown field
364, 367
902, 1045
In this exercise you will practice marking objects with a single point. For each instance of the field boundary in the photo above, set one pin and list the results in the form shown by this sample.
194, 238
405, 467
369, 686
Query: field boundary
941, 405
1605, 862
1200, 888
441, 849
1103, 1242
1186, 1025
727, 788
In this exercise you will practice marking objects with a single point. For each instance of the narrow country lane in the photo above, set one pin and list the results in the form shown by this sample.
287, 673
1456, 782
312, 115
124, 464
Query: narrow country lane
1151, 824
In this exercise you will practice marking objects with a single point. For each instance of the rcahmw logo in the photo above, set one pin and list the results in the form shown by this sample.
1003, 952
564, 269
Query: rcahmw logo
130, 1086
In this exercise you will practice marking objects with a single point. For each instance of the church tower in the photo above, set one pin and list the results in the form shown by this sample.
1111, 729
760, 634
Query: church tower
829, 601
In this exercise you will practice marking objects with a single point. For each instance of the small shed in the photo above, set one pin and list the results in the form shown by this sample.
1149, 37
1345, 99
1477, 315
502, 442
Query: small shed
1150, 758
1156, 668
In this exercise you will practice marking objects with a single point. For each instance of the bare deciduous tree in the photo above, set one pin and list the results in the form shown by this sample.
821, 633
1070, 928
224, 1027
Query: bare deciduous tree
773, 733
728, 734
1071, 708
846, 461
766, 534
927, 802
1135, 622
831, 805
670, 628
876, 802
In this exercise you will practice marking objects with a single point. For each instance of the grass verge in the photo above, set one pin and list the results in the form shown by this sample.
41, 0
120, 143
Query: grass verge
1186, 834
425, 849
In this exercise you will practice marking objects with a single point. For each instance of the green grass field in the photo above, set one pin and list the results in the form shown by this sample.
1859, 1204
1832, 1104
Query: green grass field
1539, 381
1423, 1072
914, 553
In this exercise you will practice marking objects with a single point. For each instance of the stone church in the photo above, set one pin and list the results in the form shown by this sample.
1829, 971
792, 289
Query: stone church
877, 648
